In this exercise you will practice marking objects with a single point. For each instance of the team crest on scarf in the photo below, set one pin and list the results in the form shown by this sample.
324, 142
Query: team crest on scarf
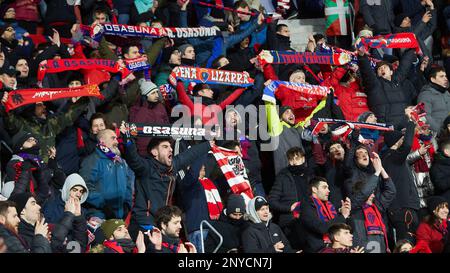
210, 76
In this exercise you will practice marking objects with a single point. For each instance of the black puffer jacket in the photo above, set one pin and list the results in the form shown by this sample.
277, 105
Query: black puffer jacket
388, 99
230, 230
36, 243
13, 243
72, 227
440, 175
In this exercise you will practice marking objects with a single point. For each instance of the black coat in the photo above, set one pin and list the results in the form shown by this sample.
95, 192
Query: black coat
288, 189
395, 164
259, 238
313, 227
440, 175
36, 243
13, 243
72, 227
388, 99
156, 181
231, 232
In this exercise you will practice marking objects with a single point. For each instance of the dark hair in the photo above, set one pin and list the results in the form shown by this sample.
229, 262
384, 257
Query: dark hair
444, 144
126, 49
5, 205
348, 74
432, 219
99, 10
215, 64
315, 181
333, 142
241, 4
434, 71
399, 245
294, 151
334, 229
318, 37
165, 214
280, 26
97, 116
231, 145
155, 141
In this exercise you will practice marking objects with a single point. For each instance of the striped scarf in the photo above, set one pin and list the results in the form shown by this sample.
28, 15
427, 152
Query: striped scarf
302, 88
232, 166
215, 206
397, 40
326, 212
289, 57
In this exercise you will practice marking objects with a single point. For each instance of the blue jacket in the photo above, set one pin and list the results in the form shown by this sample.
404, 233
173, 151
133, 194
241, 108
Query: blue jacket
110, 185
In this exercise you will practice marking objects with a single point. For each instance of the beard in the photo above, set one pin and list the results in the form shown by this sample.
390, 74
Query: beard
115, 150
12, 228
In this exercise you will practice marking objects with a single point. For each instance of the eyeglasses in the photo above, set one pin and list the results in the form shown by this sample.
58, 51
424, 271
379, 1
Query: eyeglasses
10, 29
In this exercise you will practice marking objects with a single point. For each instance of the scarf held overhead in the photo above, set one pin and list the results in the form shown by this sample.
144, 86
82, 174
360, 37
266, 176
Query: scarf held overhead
232, 166
18, 98
164, 130
303, 88
289, 57
397, 40
55, 66
354, 124
210, 76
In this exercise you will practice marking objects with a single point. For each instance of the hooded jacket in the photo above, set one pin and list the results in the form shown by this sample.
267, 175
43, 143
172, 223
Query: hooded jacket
260, 237
437, 104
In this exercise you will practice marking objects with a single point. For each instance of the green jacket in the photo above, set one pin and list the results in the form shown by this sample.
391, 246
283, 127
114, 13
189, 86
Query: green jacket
47, 131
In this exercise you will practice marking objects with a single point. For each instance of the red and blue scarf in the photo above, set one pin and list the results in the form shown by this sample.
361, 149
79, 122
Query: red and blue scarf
397, 40
326, 212
211, 76
291, 57
302, 88
373, 221
109, 154
174, 248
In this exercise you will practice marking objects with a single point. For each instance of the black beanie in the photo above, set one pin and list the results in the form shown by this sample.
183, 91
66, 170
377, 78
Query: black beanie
283, 109
364, 116
19, 139
399, 19
446, 122
260, 202
434, 201
390, 138
21, 200
235, 204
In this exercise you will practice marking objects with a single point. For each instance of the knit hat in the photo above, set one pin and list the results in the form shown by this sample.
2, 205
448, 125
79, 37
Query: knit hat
390, 138
182, 48
390, 58
19, 139
147, 87
381, 63
200, 86
364, 116
365, 33
259, 202
235, 204
283, 109
434, 201
166, 53
109, 226
399, 19
20, 200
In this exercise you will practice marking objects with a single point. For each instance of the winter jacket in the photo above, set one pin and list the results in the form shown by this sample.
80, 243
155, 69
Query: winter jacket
36, 243
437, 104
289, 187
72, 228
110, 185
396, 165
230, 230
13, 242
431, 236
147, 113
19, 31
313, 227
27, 10
384, 195
156, 181
260, 237
352, 97
440, 175
388, 99
59, 11
46, 130
378, 15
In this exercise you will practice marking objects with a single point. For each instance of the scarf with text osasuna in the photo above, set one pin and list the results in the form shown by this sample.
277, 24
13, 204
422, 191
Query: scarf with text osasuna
232, 166
326, 212
164, 130
289, 57
96, 32
213, 199
373, 221
307, 90
210, 76
353, 55
55, 66
18, 98
397, 40
351, 124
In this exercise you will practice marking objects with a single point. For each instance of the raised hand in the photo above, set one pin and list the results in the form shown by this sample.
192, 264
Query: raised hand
190, 247
41, 228
5, 98
279, 246
140, 244
55, 38
155, 237
70, 206
77, 203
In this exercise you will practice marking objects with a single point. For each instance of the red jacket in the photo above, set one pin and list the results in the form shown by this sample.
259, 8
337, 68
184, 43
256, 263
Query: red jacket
301, 106
431, 236
27, 10
207, 118
352, 98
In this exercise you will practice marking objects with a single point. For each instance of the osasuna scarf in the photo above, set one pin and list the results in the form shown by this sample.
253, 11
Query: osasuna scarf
55, 66
215, 206
96, 32
354, 124
218, 6
109, 154
418, 114
35, 158
139, 64
164, 130
353, 55
423, 164
289, 57
18, 98
232, 166
373, 221
174, 248
302, 88
326, 212
168, 94
210, 76
397, 40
